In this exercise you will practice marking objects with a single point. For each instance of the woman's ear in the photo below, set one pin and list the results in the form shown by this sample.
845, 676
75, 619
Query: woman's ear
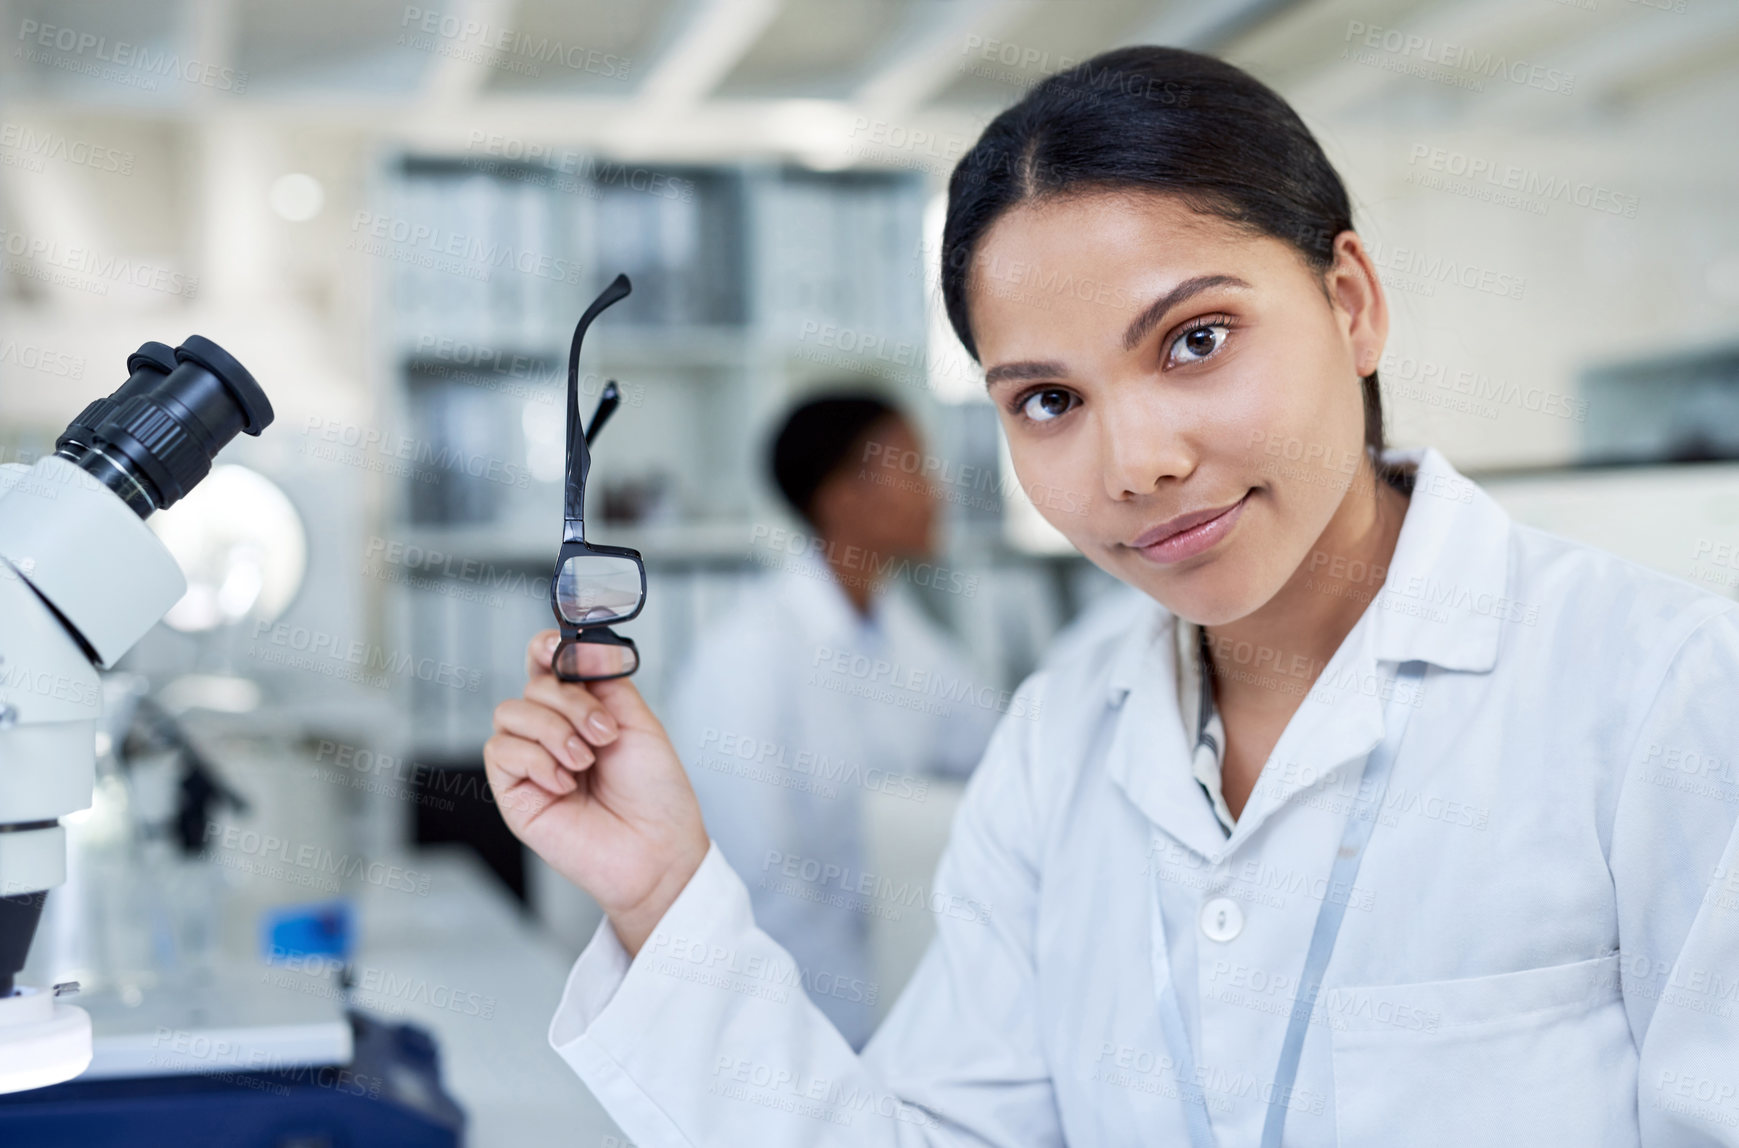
1357, 296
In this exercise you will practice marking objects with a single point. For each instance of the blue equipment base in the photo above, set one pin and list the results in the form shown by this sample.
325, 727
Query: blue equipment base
390, 1094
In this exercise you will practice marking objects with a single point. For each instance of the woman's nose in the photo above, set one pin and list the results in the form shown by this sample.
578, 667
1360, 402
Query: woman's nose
1140, 448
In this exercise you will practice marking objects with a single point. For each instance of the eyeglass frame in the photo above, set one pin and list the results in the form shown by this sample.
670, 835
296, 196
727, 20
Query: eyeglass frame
574, 542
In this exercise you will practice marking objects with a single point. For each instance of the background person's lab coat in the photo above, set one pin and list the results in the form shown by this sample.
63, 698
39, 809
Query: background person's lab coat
790, 708
1542, 945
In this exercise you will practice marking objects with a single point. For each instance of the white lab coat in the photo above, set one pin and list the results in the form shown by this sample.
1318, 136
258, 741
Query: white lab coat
1542, 946
790, 710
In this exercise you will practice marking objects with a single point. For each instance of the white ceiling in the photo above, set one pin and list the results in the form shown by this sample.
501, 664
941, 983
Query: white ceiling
681, 76
333, 85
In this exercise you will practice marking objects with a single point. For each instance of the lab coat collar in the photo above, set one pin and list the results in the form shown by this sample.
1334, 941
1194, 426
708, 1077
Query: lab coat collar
1444, 598
1442, 602
1149, 756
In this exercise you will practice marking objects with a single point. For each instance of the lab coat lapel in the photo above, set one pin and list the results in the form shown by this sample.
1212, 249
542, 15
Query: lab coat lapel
1324, 746
1441, 603
1148, 757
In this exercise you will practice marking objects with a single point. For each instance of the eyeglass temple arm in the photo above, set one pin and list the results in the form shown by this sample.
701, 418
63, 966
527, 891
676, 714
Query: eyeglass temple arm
573, 508
607, 404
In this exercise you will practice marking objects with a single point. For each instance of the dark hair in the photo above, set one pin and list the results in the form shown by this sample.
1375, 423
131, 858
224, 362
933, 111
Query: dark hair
817, 437
1153, 119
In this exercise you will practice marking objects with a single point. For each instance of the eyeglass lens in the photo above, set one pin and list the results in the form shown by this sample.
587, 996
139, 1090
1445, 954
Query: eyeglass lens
596, 589
595, 660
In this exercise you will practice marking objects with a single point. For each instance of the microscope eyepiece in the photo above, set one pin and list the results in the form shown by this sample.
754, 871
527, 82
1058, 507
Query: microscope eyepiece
146, 365
154, 438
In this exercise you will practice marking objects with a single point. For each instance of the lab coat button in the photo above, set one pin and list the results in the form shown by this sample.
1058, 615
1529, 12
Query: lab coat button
1222, 919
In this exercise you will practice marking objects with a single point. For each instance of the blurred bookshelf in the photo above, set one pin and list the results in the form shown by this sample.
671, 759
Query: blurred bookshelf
743, 274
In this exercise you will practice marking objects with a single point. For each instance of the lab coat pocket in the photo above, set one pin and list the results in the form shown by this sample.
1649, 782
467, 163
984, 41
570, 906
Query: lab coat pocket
1541, 1056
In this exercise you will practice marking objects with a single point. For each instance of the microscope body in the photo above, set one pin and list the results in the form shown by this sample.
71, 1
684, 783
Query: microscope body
82, 578
69, 549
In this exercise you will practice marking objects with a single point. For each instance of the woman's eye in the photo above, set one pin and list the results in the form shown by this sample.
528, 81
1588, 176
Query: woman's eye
1043, 406
1198, 343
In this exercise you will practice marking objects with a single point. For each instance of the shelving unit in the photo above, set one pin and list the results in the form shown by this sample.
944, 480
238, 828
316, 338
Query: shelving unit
737, 270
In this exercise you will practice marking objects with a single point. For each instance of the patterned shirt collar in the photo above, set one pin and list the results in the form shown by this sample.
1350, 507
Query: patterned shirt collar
1203, 729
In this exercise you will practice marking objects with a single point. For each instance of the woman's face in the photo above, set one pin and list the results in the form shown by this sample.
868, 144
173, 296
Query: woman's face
880, 498
1182, 400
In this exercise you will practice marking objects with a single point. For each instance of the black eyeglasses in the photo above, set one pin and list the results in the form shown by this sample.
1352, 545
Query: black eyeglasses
594, 586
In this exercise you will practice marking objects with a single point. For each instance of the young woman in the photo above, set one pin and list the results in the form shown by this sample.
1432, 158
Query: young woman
1388, 822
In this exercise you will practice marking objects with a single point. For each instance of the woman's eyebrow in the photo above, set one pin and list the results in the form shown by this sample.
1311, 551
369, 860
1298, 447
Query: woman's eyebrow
1004, 372
1159, 308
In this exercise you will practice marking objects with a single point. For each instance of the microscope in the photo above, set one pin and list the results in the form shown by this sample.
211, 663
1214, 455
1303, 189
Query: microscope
82, 578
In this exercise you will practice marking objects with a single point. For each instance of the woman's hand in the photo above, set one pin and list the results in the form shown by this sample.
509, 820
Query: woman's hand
587, 777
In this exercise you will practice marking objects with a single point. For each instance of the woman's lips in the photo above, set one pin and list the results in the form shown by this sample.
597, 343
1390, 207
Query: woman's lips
1194, 539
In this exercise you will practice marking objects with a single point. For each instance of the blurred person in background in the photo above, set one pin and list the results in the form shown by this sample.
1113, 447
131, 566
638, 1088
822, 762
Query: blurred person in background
779, 756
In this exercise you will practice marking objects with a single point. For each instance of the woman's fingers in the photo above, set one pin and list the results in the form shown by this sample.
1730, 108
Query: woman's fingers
519, 758
539, 651
554, 731
506, 762
621, 702
575, 702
